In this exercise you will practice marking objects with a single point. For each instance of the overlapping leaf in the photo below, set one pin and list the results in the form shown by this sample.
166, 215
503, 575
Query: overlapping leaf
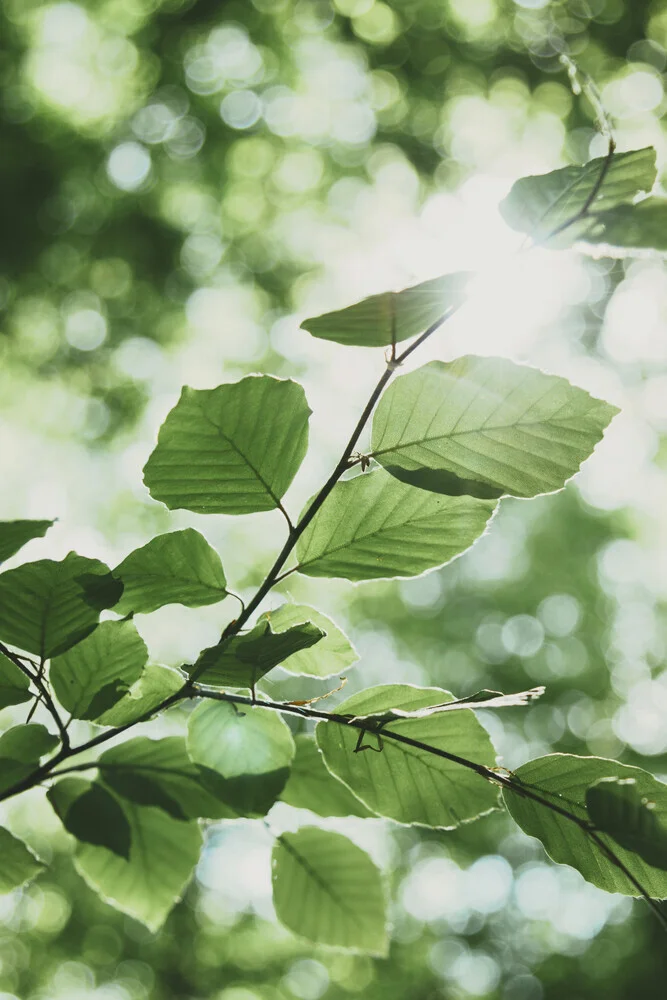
230, 450
14, 685
242, 660
239, 741
391, 316
478, 425
311, 786
155, 685
328, 890
15, 534
616, 807
18, 864
374, 527
406, 783
91, 814
333, 653
21, 749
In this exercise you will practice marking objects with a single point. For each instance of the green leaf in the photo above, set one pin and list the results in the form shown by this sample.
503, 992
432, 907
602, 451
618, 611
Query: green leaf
14, 685
43, 608
616, 807
236, 742
490, 422
242, 660
15, 534
391, 316
327, 890
539, 205
160, 773
155, 685
91, 814
230, 450
626, 228
90, 678
163, 854
17, 863
405, 783
176, 568
21, 749
334, 653
564, 780
311, 786
374, 527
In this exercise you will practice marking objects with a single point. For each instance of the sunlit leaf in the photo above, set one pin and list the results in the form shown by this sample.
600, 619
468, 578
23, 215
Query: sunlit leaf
230, 450
564, 780
616, 807
391, 316
155, 685
487, 421
375, 527
333, 654
239, 741
242, 660
17, 863
627, 228
15, 534
403, 782
311, 786
91, 814
328, 890
21, 749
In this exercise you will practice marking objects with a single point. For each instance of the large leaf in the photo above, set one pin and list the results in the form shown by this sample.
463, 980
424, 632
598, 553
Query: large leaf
565, 780
163, 854
311, 786
14, 685
488, 422
243, 659
176, 568
332, 655
236, 742
91, 814
230, 450
627, 228
43, 608
155, 685
374, 527
391, 316
541, 204
160, 773
405, 783
616, 807
14, 535
328, 890
90, 678
21, 749
17, 863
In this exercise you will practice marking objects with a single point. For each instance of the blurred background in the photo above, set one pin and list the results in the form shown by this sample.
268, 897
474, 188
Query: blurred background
183, 181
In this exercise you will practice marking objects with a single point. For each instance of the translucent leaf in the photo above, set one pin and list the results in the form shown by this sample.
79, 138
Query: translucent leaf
91, 814
332, 655
230, 450
627, 228
405, 783
374, 527
15, 534
391, 316
17, 863
539, 205
616, 807
90, 678
236, 742
487, 421
43, 608
177, 568
311, 786
242, 660
21, 749
328, 890
155, 685
163, 855
565, 780
14, 685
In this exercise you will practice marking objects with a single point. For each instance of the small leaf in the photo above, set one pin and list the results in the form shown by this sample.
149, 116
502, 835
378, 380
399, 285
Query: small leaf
163, 855
242, 660
539, 205
311, 786
21, 749
374, 527
14, 685
155, 685
391, 316
43, 609
403, 782
91, 814
18, 864
15, 534
176, 568
237, 742
616, 807
487, 421
93, 676
564, 780
327, 890
230, 450
332, 655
